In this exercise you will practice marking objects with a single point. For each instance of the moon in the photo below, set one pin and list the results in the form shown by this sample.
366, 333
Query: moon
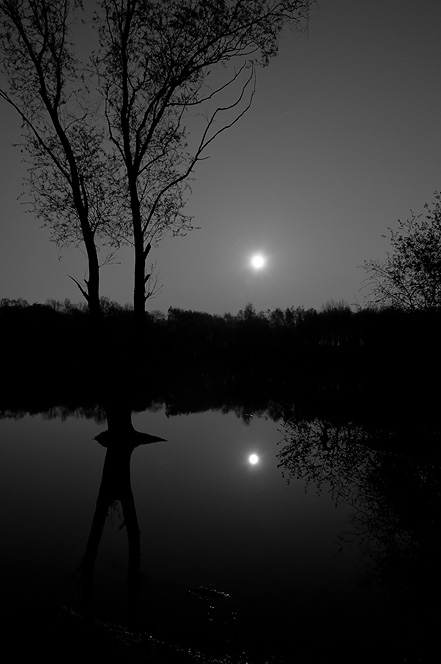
253, 459
258, 261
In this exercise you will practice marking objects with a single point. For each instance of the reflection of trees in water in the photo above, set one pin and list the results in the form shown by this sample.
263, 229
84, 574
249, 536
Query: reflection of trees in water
177, 404
400, 524
396, 495
322, 453
120, 439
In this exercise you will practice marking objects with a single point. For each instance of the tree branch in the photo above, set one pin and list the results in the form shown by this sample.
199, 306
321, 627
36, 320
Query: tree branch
83, 292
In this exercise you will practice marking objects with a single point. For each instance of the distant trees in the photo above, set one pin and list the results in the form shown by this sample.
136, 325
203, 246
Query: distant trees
113, 140
410, 276
280, 346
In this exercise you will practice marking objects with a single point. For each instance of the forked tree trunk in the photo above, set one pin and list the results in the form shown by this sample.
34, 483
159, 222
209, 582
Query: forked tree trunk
92, 290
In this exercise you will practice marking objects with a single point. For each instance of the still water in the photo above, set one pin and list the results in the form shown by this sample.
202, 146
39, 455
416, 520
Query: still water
236, 556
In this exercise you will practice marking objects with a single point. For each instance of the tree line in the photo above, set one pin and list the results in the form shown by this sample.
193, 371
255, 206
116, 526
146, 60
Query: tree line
295, 339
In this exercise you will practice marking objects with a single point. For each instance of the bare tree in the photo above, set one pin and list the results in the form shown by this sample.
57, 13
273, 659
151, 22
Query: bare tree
69, 174
161, 67
410, 276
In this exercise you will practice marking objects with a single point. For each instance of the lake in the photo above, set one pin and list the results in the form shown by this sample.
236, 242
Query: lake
317, 552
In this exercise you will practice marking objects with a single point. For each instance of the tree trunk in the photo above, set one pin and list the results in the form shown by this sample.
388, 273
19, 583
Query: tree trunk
92, 294
140, 258
93, 283
139, 286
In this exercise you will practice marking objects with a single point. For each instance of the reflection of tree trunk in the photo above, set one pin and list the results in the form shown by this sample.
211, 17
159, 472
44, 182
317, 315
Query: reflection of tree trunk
120, 440
115, 485
133, 534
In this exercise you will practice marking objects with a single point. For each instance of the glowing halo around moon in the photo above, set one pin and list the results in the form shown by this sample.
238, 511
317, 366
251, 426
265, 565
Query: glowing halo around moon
253, 459
258, 261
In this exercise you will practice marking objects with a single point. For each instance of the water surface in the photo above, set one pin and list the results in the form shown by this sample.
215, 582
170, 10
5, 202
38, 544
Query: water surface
235, 556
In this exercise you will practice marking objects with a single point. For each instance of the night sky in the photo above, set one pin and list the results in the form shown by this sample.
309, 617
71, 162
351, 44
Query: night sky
343, 139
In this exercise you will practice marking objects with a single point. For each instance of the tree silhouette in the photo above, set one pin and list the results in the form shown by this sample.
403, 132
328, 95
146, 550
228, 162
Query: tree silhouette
159, 66
69, 179
410, 277
113, 141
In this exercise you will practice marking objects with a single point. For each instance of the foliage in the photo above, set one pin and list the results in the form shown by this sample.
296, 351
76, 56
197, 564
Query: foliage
410, 276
